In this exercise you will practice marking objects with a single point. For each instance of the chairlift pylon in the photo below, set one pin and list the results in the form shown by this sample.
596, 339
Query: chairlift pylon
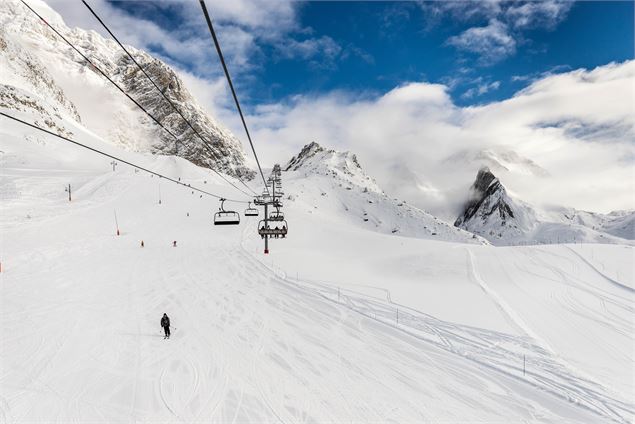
223, 217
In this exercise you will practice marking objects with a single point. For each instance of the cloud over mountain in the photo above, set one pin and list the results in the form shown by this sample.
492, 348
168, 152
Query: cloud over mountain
578, 126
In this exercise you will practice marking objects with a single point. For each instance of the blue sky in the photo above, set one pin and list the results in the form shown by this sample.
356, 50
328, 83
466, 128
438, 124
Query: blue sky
372, 47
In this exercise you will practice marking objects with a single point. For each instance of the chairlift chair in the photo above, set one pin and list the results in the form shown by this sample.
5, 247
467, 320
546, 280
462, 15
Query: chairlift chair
251, 211
276, 215
223, 217
264, 229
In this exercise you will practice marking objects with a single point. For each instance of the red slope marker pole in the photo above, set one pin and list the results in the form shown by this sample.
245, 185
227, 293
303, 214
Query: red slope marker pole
116, 223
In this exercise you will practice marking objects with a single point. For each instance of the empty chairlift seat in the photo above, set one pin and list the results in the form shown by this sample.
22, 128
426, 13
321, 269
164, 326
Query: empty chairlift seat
223, 217
251, 211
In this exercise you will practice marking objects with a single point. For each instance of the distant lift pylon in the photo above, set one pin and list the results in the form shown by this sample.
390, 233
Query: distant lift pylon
275, 219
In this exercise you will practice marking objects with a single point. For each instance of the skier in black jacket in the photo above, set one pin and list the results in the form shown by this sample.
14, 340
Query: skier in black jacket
165, 323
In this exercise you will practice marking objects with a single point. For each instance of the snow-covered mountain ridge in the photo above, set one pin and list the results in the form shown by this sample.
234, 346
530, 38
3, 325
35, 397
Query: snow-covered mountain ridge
55, 80
504, 220
315, 159
330, 183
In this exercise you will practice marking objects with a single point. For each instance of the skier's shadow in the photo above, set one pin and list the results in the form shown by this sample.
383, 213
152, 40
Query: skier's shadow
143, 334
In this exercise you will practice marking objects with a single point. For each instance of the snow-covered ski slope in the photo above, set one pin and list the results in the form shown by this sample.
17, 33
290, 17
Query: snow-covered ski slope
340, 323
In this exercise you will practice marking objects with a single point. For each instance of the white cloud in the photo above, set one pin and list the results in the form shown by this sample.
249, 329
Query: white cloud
462, 11
518, 13
579, 126
272, 17
481, 89
243, 27
492, 42
320, 52
540, 75
141, 33
538, 14
506, 22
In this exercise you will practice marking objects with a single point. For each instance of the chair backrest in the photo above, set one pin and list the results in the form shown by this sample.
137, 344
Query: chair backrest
226, 218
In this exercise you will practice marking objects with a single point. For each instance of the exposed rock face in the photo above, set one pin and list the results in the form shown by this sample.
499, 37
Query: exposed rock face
13, 98
224, 153
488, 201
47, 72
492, 213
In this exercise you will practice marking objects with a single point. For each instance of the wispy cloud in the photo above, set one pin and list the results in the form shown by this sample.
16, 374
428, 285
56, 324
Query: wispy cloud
320, 52
539, 75
481, 89
492, 43
245, 28
537, 14
497, 25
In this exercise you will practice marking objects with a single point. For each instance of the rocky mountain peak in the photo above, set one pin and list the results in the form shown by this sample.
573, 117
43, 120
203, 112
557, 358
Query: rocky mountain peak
307, 152
495, 215
489, 207
484, 179
317, 160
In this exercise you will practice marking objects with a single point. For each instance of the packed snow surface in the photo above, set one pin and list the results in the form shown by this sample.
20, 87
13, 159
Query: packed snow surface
343, 321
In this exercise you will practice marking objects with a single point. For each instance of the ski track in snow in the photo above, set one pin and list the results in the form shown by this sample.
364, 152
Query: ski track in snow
594, 268
506, 310
547, 371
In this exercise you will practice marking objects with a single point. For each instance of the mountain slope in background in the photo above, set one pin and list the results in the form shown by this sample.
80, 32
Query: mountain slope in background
38, 71
329, 183
495, 215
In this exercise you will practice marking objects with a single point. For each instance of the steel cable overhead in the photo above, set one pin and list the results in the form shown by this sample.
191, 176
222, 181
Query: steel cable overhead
122, 90
231, 86
205, 142
120, 160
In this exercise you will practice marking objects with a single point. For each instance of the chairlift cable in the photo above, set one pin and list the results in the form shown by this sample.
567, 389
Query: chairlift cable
231, 86
176, 109
120, 160
118, 87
